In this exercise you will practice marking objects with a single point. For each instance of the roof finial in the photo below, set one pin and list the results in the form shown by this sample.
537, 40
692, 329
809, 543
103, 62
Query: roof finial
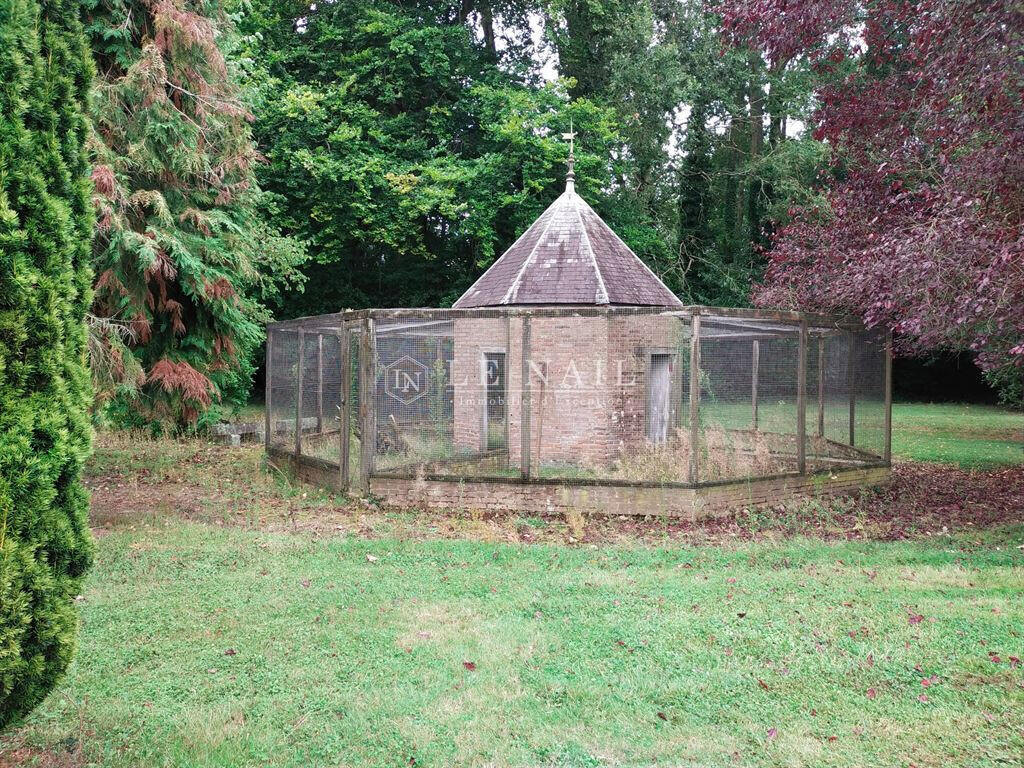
570, 177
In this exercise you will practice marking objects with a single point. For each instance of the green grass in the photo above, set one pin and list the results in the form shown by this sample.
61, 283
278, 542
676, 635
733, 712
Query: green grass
753, 655
973, 436
288, 629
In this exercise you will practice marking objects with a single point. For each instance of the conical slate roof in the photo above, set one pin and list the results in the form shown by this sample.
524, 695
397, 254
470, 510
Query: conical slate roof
568, 256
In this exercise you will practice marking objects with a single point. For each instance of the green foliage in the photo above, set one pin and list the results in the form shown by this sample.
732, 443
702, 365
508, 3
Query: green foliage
184, 254
411, 141
409, 159
45, 229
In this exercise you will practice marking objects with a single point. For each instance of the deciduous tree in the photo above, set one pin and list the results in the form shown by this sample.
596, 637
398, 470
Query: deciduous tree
923, 225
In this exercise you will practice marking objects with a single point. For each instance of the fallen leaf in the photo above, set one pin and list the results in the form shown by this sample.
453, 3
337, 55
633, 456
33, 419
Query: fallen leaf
923, 698
772, 733
662, 716
306, 583
470, 665
914, 618
763, 684
230, 652
871, 693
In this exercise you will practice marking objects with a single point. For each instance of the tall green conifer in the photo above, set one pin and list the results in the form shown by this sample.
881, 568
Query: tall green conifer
45, 233
183, 254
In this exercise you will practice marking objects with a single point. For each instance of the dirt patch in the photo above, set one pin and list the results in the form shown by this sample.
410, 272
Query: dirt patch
39, 759
116, 503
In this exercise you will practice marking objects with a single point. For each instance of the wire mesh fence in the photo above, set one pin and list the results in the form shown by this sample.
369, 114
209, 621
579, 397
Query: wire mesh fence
577, 395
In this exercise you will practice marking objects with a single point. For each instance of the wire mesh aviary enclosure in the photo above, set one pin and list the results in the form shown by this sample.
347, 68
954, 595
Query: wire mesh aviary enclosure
569, 376
538, 398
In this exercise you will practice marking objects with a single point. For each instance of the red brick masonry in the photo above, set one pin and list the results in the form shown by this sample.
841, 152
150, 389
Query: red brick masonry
540, 497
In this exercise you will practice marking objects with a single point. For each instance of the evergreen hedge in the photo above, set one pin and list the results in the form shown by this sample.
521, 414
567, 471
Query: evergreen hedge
45, 231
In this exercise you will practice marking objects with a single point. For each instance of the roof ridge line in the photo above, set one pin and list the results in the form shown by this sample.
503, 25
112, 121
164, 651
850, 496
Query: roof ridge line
514, 288
495, 262
642, 262
602, 288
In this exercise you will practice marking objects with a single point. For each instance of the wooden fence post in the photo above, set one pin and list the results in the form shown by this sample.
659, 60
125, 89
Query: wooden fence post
344, 418
506, 394
320, 383
755, 367
525, 409
801, 400
887, 454
851, 380
267, 390
821, 386
298, 392
694, 398
367, 405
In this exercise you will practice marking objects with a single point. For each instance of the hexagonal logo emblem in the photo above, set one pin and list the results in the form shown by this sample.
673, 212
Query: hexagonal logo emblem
406, 380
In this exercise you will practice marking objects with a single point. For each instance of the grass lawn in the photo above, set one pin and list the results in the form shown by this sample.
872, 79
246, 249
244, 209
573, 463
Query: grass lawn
233, 619
973, 436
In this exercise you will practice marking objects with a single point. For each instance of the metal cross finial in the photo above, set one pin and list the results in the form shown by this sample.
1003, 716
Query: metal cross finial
570, 137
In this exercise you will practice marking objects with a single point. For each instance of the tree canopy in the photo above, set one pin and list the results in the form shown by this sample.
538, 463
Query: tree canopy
833, 155
184, 254
922, 224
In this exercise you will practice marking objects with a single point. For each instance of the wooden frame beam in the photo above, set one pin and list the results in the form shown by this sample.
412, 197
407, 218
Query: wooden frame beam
694, 399
851, 381
801, 401
268, 385
525, 409
345, 417
755, 370
821, 386
320, 383
298, 392
887, 449
367, 405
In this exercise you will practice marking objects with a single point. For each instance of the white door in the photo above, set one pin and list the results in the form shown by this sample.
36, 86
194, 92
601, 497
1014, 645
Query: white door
658, 397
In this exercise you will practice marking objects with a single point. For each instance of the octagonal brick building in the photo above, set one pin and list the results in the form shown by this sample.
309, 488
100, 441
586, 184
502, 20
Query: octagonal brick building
598, 382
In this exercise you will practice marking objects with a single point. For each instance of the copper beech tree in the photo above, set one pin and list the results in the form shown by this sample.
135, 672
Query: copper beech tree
920, 102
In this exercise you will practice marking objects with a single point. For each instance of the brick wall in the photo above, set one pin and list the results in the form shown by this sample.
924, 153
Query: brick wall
631, 339
588, 383
552, 498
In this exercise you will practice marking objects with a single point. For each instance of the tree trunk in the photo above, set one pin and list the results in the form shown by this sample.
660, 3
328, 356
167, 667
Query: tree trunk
487, 22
